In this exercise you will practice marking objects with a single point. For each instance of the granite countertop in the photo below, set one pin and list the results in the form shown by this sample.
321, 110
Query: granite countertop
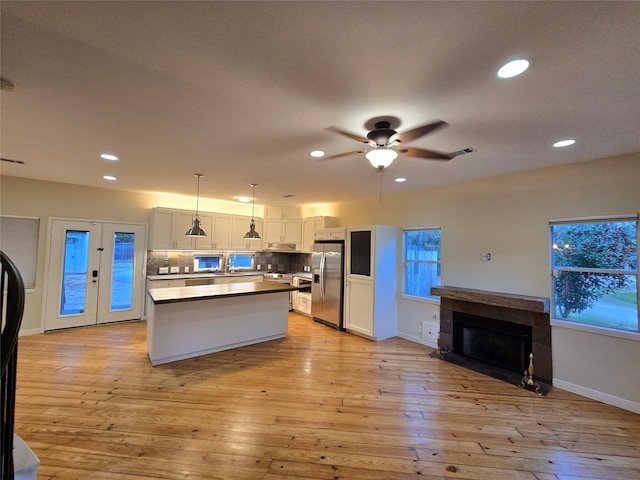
202, 292
178, 276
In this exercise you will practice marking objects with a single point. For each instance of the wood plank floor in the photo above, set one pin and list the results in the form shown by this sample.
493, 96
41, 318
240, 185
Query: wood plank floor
318, 404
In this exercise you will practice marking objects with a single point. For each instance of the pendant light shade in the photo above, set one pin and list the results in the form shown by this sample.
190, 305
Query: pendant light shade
196, 230
252, 234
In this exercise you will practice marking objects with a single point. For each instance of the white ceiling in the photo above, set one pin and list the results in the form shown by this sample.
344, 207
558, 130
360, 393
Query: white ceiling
242, 91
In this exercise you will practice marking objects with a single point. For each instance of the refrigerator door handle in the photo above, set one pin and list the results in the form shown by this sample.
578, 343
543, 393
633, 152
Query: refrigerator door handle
322, 274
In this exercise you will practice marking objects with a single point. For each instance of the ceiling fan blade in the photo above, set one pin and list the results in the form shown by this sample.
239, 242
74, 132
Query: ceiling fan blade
418, 132
340, 155
352, 136
422, 153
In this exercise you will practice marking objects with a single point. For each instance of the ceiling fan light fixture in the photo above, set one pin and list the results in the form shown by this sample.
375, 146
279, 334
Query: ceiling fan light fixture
381, 157
196, 230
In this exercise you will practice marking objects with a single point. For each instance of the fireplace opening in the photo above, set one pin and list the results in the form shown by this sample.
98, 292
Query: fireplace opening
495, 342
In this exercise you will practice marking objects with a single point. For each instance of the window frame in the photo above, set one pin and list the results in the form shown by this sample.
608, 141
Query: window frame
405, 263
577, 324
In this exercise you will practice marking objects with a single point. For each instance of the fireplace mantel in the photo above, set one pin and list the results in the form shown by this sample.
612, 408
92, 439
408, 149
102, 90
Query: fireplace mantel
497, 299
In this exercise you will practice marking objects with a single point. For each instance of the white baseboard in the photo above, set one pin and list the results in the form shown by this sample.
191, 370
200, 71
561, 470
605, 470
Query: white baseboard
31, 331
596, 395
415, 339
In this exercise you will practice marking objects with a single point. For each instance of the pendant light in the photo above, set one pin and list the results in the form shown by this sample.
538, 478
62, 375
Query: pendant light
196, 230
252, 234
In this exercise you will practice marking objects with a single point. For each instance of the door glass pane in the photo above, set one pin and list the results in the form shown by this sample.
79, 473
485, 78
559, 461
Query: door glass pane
122, 274
74, 273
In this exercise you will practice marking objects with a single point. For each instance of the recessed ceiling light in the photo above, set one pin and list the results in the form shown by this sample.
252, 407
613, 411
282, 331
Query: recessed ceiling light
243, 199
401, 179
317, 153
513, 68
111, 178
564, 143
108, 156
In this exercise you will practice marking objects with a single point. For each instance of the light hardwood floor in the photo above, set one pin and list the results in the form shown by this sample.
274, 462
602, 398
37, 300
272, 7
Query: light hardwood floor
318, 404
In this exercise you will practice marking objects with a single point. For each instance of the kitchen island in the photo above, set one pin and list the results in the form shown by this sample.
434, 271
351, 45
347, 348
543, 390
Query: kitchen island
186, 322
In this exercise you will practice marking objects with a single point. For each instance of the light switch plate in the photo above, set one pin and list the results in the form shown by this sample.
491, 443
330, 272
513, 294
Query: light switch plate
163, 270
175, 269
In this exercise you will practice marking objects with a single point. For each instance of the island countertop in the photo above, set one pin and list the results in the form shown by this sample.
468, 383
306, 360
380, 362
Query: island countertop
202, 292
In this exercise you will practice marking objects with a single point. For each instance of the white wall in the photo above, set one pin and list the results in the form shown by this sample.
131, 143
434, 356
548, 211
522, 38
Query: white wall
507, 216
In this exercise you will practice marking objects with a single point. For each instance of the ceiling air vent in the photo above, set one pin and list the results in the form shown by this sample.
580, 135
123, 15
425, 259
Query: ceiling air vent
20, 162
464, 151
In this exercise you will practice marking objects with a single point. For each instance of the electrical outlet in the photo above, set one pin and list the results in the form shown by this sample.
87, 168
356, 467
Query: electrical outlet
268, 266
259, 267
186, 269
175, 269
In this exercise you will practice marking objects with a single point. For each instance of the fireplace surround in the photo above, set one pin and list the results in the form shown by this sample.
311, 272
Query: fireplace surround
511, 316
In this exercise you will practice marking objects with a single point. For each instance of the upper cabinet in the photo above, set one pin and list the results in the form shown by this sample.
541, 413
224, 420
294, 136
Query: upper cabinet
226, 231
240, 226
168, 228
282, 231
310, 227
283, 213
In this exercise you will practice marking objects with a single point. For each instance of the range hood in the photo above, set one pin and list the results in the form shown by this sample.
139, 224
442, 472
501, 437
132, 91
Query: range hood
282, 247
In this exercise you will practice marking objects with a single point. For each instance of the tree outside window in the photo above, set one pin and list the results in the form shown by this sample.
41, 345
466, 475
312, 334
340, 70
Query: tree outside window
595, 273
421, 262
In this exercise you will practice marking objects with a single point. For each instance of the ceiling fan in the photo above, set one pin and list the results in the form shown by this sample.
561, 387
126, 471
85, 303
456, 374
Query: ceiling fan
387, 143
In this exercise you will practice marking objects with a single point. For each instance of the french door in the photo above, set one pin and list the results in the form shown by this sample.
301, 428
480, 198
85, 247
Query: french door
95, 273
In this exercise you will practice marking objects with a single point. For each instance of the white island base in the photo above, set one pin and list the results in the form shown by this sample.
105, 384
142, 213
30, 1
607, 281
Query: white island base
182, 329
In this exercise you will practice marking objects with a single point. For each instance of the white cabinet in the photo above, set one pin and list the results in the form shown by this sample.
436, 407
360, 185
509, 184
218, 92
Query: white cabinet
371, 283
182, 221
239, 227
301, 302
161, 230
168, 228
331, 234
283, 213
282, 231
165, 283
310, 226
221, 232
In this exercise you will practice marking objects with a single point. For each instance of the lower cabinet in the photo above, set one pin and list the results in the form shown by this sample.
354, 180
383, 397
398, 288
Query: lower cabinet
301, 302
165, 283
359, 307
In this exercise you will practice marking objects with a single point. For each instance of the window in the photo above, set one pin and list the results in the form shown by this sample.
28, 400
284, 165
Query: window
595, 272
241, 261
421, 252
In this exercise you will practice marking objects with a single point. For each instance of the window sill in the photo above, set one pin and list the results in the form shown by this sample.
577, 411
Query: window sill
420, 299
633, 336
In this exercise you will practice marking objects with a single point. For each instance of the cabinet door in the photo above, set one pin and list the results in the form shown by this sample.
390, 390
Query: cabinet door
239, 227
272, 230
161, 237
182, 222
360, 307
222, 228
292, 231
204, 243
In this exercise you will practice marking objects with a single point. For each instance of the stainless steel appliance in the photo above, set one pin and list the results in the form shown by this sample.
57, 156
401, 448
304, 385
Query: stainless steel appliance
281, 278
327, 287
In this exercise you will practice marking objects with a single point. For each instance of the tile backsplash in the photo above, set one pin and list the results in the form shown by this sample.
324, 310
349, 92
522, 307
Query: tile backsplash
279, 261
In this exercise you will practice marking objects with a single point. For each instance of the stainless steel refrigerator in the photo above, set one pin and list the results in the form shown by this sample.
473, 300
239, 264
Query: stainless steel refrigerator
327, 287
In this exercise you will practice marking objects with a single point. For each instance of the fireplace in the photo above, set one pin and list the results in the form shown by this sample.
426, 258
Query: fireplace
502, 344
496, 332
